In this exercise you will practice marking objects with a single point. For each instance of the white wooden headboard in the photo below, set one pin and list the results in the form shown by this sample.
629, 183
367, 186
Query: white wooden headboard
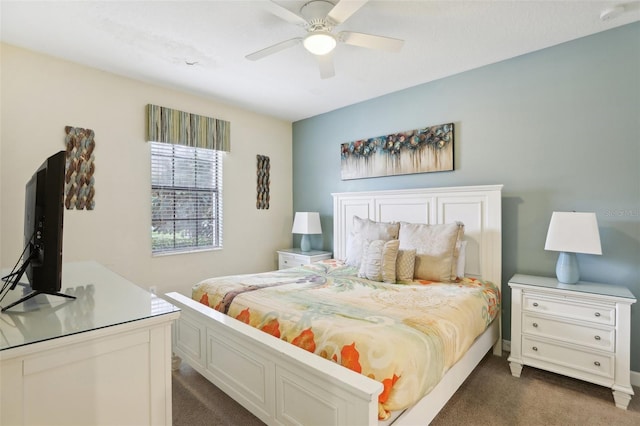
478, 207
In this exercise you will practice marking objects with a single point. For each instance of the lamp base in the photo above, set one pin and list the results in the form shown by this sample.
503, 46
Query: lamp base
305, 243
567, 268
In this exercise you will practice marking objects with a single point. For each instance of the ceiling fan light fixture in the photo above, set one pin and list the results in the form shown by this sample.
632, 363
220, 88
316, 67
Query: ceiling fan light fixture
319, 42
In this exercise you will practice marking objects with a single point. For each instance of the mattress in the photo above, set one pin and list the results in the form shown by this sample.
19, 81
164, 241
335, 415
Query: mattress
405, 336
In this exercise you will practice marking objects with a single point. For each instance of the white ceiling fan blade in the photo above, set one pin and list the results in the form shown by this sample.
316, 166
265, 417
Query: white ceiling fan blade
371, 41
344, 9
284, 13
273, 49
325, 62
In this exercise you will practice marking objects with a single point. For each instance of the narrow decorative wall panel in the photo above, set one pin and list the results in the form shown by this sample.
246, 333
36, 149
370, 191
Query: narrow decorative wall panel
79, 183
263, 182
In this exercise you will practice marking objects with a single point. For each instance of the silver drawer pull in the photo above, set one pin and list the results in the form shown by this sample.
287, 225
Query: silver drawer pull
597, 337
535, 348
535, 304
597, 314
596, 363
535, 324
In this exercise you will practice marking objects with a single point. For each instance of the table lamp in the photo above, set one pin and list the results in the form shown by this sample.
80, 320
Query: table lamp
306, 223
571, 233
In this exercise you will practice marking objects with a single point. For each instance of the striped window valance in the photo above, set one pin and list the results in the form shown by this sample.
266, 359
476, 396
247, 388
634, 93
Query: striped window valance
182, 128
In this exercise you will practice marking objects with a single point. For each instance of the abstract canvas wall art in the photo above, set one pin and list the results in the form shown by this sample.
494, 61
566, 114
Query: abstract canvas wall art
425, 150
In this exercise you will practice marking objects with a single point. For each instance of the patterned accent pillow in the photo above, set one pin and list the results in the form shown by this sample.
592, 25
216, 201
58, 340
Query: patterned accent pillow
405, 264
367, 229
436, 249
379, 261
462, 258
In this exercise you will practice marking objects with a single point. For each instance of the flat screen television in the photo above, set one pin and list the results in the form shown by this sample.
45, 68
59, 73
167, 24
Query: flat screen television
43, 219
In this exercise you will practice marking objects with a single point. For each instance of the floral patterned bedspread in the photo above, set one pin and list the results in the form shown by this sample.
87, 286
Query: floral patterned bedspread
404, 336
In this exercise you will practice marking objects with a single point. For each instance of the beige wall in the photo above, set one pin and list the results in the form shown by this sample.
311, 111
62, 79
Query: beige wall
41, 95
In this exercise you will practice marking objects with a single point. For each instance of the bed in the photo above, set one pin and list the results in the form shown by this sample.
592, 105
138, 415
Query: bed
282, 383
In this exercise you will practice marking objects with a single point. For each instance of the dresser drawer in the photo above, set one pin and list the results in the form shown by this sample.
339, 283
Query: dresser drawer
602, 338
291, 261
568, 308
292, 258
573, 359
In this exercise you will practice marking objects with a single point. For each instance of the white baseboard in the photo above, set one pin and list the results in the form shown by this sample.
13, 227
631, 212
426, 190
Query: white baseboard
635, 376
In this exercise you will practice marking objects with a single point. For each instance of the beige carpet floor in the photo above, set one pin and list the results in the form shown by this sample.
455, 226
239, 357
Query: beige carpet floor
489, 396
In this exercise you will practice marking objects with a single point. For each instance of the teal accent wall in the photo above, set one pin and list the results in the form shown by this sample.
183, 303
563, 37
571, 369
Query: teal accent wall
560, 128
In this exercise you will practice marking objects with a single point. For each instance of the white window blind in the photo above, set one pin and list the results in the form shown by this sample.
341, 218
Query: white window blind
186, 198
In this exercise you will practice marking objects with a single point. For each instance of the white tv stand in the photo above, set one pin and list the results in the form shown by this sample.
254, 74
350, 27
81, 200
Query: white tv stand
104, 358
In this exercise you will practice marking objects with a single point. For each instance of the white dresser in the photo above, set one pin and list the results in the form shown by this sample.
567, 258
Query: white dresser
103, 358
293, 257
580, 330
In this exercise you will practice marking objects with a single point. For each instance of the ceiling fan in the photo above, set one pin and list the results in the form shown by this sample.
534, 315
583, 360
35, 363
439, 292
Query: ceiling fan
318, 18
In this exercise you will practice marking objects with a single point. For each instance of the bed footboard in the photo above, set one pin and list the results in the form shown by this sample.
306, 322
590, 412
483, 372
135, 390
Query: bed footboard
278, 382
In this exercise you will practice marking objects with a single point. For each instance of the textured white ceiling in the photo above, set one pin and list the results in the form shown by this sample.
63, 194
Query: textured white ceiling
154, 40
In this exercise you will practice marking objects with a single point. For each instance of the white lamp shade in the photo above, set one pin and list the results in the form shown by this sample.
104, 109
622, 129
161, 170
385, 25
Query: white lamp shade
573, 232
306, 223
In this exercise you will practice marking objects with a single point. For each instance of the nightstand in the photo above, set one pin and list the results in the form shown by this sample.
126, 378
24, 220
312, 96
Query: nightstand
289, 258
580, 330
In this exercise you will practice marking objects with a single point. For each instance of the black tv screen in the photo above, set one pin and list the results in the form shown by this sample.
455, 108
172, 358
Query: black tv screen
43, 214
43, 217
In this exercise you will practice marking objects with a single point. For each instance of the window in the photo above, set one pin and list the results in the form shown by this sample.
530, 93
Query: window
186, 198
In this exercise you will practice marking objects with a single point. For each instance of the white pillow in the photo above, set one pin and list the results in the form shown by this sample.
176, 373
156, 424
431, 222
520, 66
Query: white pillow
436, 252
379, 261
366, 229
